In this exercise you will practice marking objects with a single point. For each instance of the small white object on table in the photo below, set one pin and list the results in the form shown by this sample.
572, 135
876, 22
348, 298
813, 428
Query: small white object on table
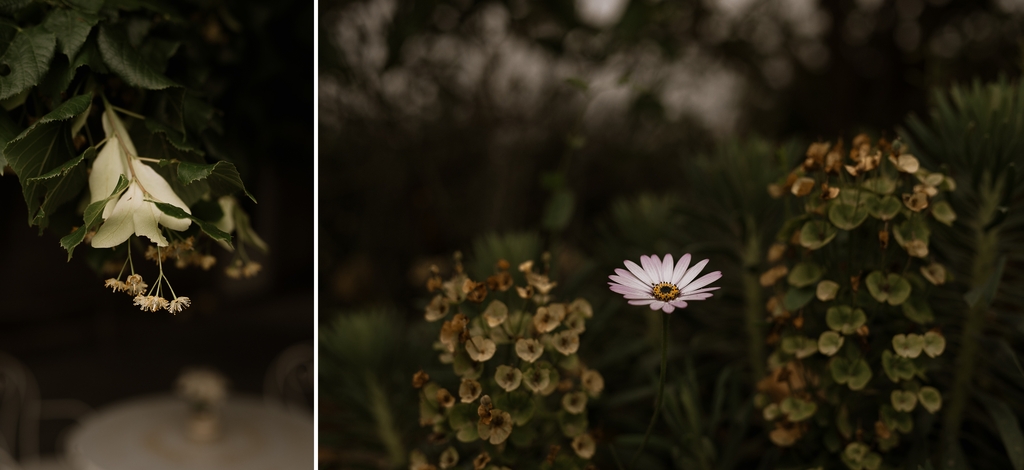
151, 433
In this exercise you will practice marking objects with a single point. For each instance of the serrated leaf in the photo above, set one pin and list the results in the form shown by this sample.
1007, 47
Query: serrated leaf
207, 227
66, 168
174, 137
29, 57
222, 177
41, 148
127, 62
92, 217
71, 28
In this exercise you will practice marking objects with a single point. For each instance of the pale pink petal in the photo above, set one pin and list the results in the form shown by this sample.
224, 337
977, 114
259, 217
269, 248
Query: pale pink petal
621, 289
668, 308
695, 297
639, 272
701, 291
678, 303
638, 296
691, 274
641, 302
666, 268
652, 267
703, 281
627, 279
657, 305
677, 274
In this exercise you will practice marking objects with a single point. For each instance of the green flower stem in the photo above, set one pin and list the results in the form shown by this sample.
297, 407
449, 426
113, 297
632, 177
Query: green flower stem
755, 321
987, 246
661, 388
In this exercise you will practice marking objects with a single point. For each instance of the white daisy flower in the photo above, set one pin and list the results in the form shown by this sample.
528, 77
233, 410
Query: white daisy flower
661, 284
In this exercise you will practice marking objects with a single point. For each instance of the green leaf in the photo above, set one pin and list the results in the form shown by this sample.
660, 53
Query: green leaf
930, 398
892, 288
799, 346
176, 138
795, 299
87, 6
914, 228
804, 274
845, 319
42, 148
1009, 428
854, 373
127, 62
881, 185
829, 343
826, 290
28, 56
558, 212
848, 216
63, 170
816, 234
943, 212
93, 215
918, 311
222, 177
903, 400
884, 208
8, 131
797, 410
897, 367
71, 27
908, 345
934, 344
572, 425
207, 227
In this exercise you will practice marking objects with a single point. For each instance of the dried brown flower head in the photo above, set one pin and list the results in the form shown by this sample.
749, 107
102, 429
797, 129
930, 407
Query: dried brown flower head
419, 379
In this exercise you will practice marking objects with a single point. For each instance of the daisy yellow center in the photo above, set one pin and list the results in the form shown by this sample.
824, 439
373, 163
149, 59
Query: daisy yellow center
665, 291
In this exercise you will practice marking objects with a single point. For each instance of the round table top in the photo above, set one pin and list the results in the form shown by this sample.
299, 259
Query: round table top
150, 433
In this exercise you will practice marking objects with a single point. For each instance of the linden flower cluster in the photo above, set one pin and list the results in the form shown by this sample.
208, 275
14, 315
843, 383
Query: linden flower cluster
849, 313
131, 210
519, 373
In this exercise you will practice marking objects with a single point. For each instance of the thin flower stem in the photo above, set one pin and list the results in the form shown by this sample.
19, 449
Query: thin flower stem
128, 113
661, 388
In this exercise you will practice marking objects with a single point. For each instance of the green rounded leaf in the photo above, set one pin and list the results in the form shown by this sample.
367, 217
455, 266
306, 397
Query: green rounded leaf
914, 228
797, 410
856, 451
799, 346
880, 185
875, 282
860, 375
816, 234
903, 400
896, 420
804, 274
897, 367
885, 208
918, 311
826, 290
908, 345
572, 425
467, 434
829, 342
930, 398
872, 461
848, 216
899, 289
845, 319
943, 212
934, 344
796, 299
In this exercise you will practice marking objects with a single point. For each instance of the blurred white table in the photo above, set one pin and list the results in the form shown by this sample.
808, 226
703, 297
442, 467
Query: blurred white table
149, 433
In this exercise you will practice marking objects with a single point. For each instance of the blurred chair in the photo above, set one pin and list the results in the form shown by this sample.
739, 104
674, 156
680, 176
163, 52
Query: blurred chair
289, 379
20, 412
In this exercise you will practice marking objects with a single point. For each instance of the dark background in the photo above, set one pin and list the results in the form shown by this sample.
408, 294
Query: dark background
84, 342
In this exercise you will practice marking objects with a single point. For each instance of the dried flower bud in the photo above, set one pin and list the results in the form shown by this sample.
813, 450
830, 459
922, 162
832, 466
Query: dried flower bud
935, 273
883, 239
481, 461
802, 186
469, 390
529, 350
445, 398
584, 446
419, 379
771, 276
524, 292
484, 410
575, 402
775, 252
